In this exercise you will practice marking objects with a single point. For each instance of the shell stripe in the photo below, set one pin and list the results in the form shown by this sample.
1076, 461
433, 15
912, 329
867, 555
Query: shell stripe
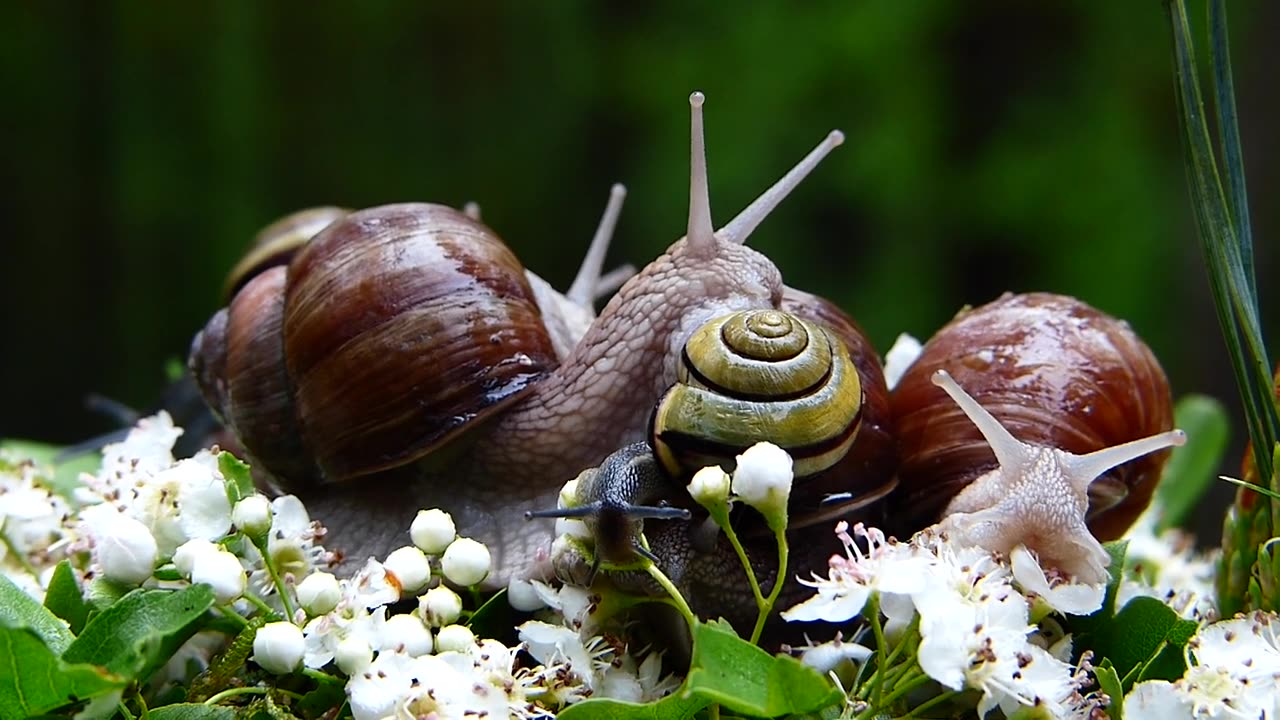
702, 380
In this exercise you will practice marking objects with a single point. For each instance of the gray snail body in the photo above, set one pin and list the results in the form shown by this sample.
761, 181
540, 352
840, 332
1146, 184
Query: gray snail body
516, 416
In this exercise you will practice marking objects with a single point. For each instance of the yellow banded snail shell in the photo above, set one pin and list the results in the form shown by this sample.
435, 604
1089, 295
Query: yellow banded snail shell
753, 375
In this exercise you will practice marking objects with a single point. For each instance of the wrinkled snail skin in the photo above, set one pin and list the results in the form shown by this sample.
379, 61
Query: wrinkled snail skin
1056, 373
464, 402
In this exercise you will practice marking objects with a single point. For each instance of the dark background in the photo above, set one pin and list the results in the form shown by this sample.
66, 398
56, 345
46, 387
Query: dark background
991, 146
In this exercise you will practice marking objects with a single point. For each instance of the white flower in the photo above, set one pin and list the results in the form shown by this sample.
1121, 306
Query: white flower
576, 605
278, 647
293, 544
455, 638
887, 567
710, 486
523, 597
222, 571
440, 606
432, 531
762, 479
35, 524
252, 515
1071, 598
319, 593
352, 655
904, 352
123, 547
145, 451
184, 558
409, 568
828, 656
1168, 568
183, 502
406, 634
465, 562
455, 685
325, 634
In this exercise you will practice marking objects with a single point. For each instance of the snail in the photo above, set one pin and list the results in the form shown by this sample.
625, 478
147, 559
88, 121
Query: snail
746, 377
370, 406
1053, 435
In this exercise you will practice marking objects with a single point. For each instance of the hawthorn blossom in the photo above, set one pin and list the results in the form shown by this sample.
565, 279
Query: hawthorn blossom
887, 567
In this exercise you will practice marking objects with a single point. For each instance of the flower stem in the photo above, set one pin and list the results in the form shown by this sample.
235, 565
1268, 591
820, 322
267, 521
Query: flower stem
21, 557
232, 692
677, 599
919, 710
872, 613
269, 563
780, 536
742, 556
262, 605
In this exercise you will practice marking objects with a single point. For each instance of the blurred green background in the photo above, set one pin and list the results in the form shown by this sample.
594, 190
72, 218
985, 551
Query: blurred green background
991, 146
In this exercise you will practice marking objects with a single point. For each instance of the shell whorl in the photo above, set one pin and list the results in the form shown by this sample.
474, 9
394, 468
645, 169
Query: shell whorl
759, 375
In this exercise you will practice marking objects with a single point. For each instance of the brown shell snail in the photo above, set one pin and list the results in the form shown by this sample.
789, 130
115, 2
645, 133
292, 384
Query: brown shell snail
400, 360
1053, 436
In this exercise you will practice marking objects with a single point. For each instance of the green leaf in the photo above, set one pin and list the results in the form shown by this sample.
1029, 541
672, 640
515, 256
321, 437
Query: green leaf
1091, 623
64, 599
236, 474
34, 680
1143, 641
140, 632
103, 593
193, 711
740, 676
1109, 682
494, 618
20, 610
1192, 467
676, 706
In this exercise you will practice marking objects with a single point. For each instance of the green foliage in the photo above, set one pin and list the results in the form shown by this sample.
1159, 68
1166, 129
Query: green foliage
237, 476
139, 633
41, 681
19, 610
192, 711
64, 599
734, 674
1192, 467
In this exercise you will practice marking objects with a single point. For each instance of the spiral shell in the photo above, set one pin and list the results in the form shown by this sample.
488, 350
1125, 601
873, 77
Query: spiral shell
388, 333
277, 243
1056, 373
759, 375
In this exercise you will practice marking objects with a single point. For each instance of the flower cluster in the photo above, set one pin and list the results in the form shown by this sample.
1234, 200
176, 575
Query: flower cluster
973, 612
1233, 672
36, 525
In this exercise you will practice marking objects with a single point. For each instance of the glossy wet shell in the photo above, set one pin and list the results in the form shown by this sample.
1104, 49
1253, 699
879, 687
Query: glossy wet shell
277, 243
403, 325
1055, 372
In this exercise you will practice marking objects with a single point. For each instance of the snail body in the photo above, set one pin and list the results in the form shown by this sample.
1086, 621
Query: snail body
1053, 435
380, 436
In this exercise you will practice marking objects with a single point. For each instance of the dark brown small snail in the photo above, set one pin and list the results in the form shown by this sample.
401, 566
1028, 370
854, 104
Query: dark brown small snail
1058, 417
402, 360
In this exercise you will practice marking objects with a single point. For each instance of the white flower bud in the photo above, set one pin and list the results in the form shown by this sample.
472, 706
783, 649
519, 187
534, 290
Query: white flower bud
408, 633
410, 568
523, 597
185, 556
252, 515
568, 495
222, 571
465, 562
455, 638
710, 486
440, 606
278, 647
353, 655
319, 593
432, 531
762, 480
574, 528
127, 551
